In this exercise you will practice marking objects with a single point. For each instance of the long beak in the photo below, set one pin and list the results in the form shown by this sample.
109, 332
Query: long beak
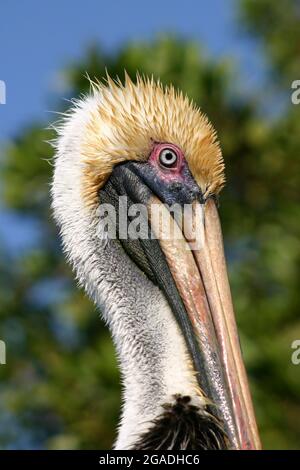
199, 270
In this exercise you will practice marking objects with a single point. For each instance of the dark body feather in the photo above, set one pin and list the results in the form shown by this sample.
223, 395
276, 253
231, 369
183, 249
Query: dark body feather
183, 426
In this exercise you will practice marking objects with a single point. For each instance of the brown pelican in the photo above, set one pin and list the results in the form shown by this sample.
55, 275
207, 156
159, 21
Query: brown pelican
166, 299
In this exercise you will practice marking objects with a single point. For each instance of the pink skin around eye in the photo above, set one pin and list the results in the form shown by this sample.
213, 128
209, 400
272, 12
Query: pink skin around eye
167, 174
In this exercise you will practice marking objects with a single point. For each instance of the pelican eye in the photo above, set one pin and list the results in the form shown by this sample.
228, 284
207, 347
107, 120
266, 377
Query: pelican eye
168, 158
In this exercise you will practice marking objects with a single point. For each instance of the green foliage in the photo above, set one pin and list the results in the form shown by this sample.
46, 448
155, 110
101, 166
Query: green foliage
276, 24
60, 388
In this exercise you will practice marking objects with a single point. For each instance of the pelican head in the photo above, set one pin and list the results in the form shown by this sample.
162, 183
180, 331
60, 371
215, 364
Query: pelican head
163, 293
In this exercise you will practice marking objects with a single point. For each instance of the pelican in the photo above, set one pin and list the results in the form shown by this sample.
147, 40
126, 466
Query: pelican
166, 299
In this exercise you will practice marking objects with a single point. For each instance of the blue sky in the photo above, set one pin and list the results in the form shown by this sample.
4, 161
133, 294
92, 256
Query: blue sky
38, 38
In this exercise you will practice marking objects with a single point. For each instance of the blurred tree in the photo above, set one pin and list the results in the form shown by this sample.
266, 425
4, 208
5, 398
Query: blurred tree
60, 386
276, 25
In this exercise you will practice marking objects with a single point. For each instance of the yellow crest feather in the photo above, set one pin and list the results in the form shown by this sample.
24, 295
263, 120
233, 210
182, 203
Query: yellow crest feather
130, 117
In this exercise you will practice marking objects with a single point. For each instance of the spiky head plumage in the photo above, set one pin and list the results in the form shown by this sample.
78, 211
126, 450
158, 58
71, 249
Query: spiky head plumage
130, 117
